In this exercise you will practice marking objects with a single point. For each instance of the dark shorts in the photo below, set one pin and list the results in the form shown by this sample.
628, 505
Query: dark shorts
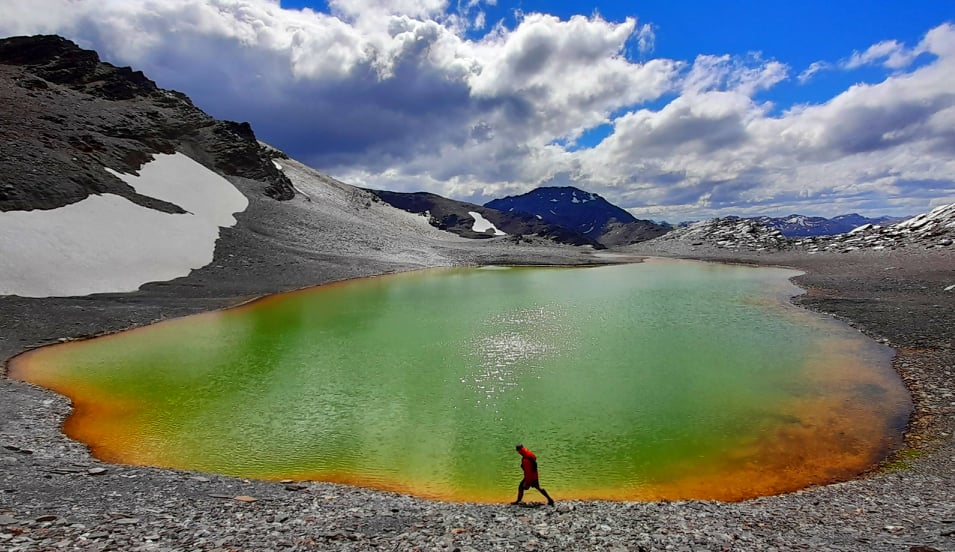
528, 483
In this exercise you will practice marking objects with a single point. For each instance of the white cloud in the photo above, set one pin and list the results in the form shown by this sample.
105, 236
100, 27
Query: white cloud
889, 53
747, 76
814, 67
358, 9
399, 94
646, 38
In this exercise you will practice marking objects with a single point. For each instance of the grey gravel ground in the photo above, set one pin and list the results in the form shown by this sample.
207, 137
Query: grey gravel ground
55, 496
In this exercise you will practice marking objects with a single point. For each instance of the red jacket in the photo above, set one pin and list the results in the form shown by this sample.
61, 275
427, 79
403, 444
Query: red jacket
528, 464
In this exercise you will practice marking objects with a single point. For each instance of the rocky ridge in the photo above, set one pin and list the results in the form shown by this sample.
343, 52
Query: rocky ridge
730, 233
803, 226
935, 229
928, 230
76, 115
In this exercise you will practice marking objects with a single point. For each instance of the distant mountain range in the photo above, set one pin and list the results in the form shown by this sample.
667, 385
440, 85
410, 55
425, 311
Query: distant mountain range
565, 215
574, 216
795, 226
463, 219
933, 230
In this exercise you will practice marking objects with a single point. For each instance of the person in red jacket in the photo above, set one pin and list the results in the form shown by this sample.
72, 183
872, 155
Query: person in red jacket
531, 477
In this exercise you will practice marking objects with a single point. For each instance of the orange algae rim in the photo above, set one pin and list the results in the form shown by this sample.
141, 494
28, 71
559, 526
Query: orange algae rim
728, 487
712, 484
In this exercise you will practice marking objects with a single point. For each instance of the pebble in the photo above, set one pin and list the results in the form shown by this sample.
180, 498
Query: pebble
126, 521
7, 520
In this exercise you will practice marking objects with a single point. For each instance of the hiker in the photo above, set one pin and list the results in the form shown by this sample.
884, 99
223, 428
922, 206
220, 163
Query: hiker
531, 478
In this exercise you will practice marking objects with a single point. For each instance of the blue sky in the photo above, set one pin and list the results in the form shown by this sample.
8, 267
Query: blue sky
673, 110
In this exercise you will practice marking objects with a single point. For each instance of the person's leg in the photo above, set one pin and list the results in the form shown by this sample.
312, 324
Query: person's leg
537, 485
520, 492
550, 501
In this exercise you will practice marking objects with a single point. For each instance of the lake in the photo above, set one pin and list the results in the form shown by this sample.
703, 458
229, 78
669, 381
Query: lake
658, 380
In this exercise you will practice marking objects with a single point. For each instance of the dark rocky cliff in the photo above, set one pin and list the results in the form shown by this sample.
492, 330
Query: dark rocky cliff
66, 115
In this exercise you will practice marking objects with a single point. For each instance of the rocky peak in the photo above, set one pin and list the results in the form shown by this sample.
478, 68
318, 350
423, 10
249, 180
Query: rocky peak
567, 206
935, 229
60, 61
583, 212
731, 233
932, 230
77, 115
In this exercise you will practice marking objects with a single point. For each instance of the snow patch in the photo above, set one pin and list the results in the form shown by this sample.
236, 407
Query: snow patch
178, 179
106, 243
481, 224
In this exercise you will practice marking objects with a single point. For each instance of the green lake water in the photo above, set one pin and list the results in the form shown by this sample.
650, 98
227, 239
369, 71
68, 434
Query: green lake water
665, 379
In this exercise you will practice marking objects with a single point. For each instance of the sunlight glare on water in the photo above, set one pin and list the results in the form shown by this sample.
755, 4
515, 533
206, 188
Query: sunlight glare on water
518, 342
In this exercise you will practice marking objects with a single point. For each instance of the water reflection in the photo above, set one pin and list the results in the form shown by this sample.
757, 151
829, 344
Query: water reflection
500, 361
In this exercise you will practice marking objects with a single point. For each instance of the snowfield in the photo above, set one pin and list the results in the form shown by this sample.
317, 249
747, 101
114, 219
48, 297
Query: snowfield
105, 243
481, 224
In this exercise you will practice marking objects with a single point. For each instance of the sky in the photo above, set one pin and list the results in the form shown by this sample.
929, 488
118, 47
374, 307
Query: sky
672, 110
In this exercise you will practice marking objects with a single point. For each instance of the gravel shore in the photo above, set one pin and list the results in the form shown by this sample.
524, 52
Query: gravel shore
55, 496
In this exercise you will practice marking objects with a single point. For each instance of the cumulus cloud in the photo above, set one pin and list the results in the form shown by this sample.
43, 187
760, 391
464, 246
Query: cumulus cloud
718, 151
747, 76
889, 53
401, 94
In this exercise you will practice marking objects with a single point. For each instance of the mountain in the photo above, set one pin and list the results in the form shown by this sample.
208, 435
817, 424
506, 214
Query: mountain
76, 114
802, 226
584, 212
731, 233
111, 184
932, 230
474, 221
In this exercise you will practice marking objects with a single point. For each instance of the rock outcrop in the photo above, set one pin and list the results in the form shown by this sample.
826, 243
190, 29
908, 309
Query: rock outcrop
928, 230
76, 115
729, 233
935, 229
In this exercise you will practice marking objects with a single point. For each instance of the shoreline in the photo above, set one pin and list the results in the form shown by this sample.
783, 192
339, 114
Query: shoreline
51, 493
20, 367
